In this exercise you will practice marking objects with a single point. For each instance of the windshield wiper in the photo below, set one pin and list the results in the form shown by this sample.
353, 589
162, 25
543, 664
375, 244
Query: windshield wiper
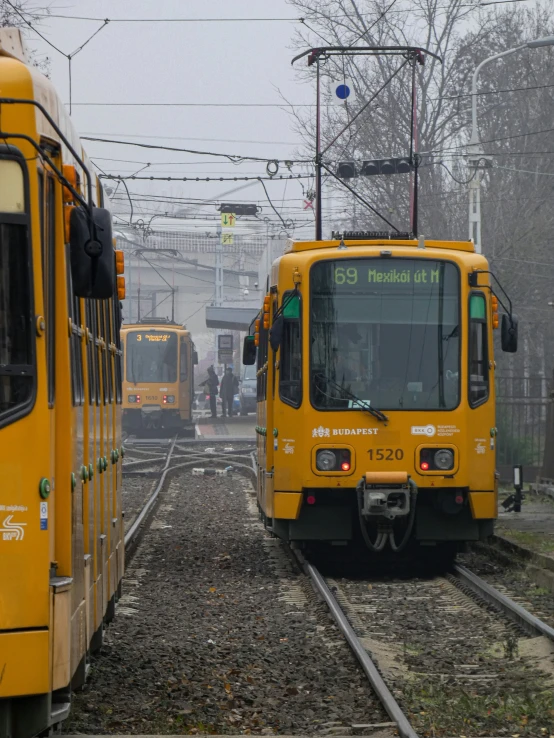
362, 404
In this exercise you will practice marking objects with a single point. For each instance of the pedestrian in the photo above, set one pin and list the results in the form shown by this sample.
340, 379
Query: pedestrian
211, 384
229, 388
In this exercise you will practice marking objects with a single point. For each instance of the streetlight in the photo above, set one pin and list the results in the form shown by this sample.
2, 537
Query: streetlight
476, 157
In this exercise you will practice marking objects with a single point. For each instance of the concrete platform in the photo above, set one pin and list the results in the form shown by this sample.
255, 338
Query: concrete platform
242, 426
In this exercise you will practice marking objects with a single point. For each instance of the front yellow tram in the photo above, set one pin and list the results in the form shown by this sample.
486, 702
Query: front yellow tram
158, 381
375, 386
61, 526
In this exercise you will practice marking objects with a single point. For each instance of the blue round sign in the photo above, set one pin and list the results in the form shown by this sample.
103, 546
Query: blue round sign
342, 92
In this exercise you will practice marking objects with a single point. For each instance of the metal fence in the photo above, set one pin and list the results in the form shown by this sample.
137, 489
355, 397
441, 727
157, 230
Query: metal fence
523, 411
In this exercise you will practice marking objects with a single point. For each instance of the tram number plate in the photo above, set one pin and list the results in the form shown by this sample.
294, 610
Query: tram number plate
386, 454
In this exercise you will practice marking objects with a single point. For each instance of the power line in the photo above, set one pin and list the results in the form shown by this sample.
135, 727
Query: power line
195, 105
491, 140
232, 157
188, 138
276, 177
286, 105
172, 20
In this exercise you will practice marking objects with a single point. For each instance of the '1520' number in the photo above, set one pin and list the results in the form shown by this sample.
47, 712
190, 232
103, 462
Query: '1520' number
386, 454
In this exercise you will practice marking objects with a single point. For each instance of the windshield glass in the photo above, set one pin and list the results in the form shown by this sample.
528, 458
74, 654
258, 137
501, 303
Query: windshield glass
250, 372
387, 331
16, 370
151, 356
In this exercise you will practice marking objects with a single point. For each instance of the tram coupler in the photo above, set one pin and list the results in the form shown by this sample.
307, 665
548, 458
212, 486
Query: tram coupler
385, 495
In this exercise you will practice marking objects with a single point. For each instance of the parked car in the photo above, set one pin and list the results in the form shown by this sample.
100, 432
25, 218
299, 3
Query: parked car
247, 390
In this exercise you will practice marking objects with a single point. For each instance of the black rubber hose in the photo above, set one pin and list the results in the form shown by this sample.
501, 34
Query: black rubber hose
413, 499
381, 539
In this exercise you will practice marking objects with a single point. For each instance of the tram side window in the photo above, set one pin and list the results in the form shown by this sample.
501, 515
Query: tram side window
75, 356
262, 361
17, 365
103, 352
50, 285
290, 362
116, 323
79, 381
96, 348
478, 350
91, 348
183, 372
108, 337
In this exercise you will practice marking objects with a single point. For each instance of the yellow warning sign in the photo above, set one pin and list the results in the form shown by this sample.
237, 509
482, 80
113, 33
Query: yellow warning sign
227, 239
228, 220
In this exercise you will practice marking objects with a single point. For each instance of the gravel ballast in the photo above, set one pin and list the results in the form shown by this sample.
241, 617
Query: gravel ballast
218, 632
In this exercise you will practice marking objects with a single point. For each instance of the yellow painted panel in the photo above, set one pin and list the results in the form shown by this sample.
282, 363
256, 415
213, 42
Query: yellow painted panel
287, 505
25, 663
62, 640
483, 505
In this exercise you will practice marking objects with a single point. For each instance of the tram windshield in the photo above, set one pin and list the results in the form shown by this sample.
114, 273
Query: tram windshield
385, 331
151, 356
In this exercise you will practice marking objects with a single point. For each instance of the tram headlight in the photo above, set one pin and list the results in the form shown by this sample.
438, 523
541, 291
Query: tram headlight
168, 399
444, 459
133, 398
325, 460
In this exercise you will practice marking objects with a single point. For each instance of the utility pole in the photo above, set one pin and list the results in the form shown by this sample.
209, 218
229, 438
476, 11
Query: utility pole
219, 268
476, 158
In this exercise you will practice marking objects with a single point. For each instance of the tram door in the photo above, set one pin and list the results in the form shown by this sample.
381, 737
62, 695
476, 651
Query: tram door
185, 383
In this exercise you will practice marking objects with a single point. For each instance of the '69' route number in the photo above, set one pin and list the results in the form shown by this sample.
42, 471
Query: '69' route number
386, 454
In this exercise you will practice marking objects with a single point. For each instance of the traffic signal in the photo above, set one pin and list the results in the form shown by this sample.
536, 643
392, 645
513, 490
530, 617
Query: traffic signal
398, 165
238, 208
347, 170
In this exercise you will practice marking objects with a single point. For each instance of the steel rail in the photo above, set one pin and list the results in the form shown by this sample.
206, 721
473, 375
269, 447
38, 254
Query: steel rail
193, 458
392, 707
529, 623
133, 530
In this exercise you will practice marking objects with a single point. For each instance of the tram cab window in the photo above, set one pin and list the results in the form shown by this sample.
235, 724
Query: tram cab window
151, 356
183, 372
17, 372
385, 331
478, 350
290, 361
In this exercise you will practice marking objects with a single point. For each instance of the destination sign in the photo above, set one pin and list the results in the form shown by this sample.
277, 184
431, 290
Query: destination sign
154, 337
381, 271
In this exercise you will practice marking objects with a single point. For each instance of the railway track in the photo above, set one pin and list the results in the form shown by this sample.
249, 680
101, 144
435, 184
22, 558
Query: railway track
397, 629
351, 602
161, 458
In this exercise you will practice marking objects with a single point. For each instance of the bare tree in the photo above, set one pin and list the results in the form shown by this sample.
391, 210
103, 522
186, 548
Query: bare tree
383, 130
516, 101
17, 14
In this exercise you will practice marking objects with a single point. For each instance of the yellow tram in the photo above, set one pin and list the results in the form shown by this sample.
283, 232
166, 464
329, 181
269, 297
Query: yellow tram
158, 380
375, 390
61, 528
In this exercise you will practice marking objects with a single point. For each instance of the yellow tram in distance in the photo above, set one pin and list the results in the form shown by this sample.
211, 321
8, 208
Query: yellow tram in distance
61, 525
158, 381
375, 389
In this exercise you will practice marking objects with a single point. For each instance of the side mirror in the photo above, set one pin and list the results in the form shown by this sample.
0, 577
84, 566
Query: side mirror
276, 333
194, 358
91, 253
249, 351
509, 333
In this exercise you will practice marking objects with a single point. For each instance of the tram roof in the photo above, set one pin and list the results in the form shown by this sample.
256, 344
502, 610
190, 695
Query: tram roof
295, 246
153, 324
